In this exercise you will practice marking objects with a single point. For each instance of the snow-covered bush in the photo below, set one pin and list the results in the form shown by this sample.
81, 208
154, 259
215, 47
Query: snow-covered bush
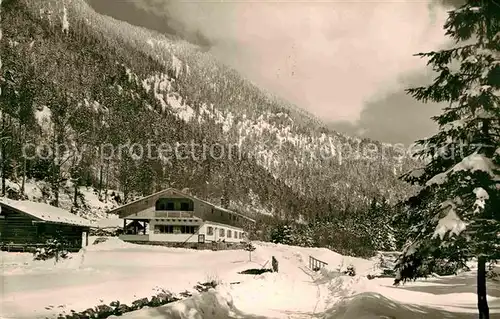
52, 249
350, 271
206, 286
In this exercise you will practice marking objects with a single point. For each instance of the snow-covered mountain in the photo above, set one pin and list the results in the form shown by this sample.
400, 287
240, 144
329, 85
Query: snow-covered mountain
97, 81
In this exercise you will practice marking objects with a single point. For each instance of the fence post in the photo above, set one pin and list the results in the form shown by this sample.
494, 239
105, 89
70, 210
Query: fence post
316, 263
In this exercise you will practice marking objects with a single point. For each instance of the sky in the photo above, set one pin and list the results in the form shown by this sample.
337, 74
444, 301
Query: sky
347, 62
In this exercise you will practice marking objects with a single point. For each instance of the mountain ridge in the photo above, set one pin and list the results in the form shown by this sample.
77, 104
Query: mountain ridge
136, 80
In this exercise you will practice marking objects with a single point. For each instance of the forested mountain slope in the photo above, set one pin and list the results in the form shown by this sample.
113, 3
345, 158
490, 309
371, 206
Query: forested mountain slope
73, 77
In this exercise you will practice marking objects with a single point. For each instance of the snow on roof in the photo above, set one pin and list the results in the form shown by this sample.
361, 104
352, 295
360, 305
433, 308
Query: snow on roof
45, 212
222, 208
174, 190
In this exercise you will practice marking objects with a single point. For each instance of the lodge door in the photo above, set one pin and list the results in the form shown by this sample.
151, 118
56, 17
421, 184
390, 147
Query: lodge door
201, 238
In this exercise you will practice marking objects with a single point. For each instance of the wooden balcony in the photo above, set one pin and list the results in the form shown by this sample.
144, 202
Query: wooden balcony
174, 214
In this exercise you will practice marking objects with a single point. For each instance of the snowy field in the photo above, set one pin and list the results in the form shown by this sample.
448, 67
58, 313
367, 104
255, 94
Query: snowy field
115, 270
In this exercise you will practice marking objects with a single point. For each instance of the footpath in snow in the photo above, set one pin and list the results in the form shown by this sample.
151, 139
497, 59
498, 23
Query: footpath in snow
115, 270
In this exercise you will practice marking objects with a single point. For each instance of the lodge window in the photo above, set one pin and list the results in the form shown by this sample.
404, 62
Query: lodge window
229, 233
160, 206
222, 232
164, 229
171, 229
210, 231
164, 204
240, 235
174, 204
188, 229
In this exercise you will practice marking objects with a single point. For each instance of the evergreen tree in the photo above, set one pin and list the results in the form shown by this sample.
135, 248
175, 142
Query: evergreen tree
455, 218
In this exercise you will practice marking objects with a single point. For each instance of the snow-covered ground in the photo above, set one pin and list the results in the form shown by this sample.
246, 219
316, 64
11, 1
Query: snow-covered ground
115, 270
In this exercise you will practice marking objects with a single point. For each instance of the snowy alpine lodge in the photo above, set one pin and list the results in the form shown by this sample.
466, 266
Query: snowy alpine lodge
25, 225
174, 218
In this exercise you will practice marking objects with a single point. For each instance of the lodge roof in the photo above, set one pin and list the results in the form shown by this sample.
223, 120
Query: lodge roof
178, 192
44, 212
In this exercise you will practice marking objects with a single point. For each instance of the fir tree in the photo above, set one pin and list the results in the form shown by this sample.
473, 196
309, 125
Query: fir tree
455, 218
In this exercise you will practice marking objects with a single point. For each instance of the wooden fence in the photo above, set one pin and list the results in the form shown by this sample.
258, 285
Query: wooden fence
316, 264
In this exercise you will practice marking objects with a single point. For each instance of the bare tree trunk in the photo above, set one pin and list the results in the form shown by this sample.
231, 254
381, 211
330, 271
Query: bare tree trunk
55, 184
75, 195
106, 185
16, 140
76, 176
55, 168
101, 168
482, 302
125, 193
225, 197
23, 181
3, 155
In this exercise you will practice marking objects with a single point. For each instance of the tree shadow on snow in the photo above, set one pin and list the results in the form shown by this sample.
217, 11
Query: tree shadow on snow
373, 305
464, 283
